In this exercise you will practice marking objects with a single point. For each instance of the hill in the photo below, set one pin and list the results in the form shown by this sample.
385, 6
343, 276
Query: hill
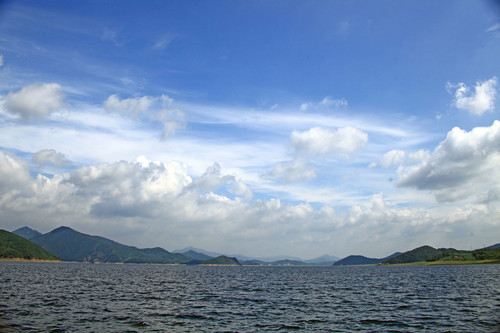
222, 260
355, 260
27, 232
71, 245
196, 255
422, 253
324, 260
13, 246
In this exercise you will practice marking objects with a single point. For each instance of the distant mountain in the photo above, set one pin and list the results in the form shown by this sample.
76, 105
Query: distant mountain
422, 253
202, 251
279, 258
27, 232
13, 246
222, 260
288, 262
495, 246
196, 255
253, 262
354, 260
325, 259
71, 245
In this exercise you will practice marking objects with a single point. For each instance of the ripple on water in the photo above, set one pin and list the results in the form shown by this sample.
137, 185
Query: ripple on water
78, 297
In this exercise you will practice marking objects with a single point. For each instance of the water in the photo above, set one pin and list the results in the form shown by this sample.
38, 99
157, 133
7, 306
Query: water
41, 297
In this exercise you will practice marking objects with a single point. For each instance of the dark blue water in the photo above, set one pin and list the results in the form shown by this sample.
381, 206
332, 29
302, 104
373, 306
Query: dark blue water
41, 297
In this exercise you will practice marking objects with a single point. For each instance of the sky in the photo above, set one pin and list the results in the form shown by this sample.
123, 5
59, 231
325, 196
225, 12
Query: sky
260, 128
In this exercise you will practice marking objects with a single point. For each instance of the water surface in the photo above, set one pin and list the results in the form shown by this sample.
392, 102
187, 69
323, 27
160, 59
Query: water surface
40, 297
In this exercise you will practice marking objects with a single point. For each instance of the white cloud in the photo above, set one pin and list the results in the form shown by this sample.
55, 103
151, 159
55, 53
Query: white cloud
35, 100
343, 141
50, 156
291, 171
493, 28
1, 59
134, 105
172, 120
14, 172
465, 164
241, 189
482, 100
392, 157
152, 108
163, 42
212, 179
328, 101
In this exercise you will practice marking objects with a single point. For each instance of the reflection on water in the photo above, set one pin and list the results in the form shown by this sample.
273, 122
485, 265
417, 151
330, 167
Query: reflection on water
82, 297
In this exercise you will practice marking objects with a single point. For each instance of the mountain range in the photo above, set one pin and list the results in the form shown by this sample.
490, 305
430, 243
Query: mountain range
71, 245
324, 260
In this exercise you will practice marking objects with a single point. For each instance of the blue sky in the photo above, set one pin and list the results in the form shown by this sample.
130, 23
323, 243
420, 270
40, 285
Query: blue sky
254, 127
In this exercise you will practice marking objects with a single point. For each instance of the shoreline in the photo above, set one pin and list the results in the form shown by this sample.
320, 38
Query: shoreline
446, 263
30, 260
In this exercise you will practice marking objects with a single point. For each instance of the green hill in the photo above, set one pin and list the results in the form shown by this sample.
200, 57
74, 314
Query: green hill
71, 245
222, 260
362, 260
357, 260
13, 246
27, 232
422, 253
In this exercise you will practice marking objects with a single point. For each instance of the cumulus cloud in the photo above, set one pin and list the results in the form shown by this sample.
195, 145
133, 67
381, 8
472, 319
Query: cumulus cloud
291, 171
212, 179
14, 172
465, 164
318, 141
477, 102
393, 157
35, 100
50, 156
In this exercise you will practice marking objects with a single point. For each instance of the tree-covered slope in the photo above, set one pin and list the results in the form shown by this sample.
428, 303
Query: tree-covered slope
71, 245
13, 246
422, 253
357, 260
222, 260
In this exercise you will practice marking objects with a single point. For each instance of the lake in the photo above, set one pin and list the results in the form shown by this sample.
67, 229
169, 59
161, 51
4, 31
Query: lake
41, 297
